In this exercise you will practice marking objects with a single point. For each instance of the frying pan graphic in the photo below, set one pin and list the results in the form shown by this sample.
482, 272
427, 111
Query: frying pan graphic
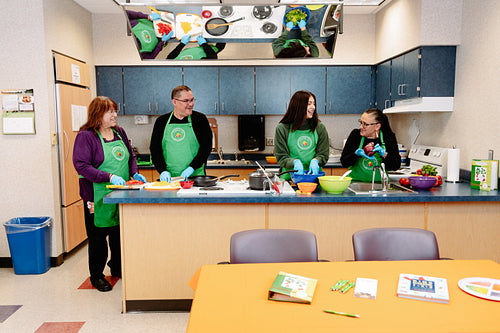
221, 30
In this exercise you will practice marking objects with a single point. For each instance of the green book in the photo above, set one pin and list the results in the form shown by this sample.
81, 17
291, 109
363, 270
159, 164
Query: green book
292, 288
484, 174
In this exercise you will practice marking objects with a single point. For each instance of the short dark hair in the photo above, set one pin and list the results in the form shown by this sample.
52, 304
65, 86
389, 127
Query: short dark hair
296, 50
381, 118
177, 90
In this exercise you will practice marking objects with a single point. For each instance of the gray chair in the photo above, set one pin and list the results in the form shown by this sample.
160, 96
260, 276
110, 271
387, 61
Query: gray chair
273, 245
395, 244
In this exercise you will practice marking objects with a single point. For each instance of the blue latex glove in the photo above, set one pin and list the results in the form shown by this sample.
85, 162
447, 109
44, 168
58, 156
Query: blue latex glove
313, 167
165, 176
302, 24
117, 180
201, 40
185, 39
155, 16
187, 172
361, 152
379, 149
297, 165
166, 37
290, 25
139, 177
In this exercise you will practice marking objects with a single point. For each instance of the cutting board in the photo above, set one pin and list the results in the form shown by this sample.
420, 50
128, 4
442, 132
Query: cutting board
167, 19
188, 24
125, 187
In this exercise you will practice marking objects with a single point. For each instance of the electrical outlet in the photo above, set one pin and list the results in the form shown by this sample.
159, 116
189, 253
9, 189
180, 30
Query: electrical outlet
141, 120
269, 141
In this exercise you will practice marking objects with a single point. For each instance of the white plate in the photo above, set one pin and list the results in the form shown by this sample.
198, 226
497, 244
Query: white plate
481, 287
188, 24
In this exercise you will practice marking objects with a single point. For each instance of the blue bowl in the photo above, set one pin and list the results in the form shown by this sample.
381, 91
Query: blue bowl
302, 8
296, 178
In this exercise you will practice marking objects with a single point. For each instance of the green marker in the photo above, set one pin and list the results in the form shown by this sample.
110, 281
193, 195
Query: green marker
342, 313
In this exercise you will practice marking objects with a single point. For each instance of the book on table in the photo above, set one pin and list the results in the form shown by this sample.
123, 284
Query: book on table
292, 288
426, 288
484, 174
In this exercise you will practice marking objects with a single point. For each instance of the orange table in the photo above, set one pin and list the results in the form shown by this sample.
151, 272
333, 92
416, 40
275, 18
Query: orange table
233, 298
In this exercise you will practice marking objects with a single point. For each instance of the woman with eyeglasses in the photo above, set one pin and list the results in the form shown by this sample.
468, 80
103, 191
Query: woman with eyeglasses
369, 146
182, 139
102, 155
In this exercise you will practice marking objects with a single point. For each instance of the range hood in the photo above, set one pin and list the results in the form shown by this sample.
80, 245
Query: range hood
422, 104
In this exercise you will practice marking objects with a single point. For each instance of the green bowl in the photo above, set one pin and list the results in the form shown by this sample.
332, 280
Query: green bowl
332, 184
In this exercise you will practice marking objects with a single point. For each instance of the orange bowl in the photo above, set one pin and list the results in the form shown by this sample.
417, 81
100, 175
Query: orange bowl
271, 159
187, 184
307, 188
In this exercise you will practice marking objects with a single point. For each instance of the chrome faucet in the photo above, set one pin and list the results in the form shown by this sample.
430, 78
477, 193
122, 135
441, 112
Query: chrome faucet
235, 156
383, 178
221, 154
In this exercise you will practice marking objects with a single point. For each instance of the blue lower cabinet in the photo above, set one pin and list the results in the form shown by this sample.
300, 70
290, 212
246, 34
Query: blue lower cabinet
348, 89
237, 90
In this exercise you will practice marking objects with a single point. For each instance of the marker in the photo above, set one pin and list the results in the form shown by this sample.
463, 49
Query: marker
342, 313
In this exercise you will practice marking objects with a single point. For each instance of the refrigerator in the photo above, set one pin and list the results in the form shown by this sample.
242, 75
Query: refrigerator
72, 81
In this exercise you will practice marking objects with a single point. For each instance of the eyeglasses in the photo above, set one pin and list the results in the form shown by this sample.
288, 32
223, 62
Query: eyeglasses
363, 124
112, 111
186, 100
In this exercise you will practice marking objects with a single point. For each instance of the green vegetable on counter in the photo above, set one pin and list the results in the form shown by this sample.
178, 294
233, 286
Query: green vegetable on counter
296, 16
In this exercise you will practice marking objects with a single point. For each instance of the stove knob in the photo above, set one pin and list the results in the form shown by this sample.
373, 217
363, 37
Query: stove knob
438, 154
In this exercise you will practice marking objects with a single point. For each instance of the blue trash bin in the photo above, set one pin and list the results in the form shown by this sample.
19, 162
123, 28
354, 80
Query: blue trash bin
29, 244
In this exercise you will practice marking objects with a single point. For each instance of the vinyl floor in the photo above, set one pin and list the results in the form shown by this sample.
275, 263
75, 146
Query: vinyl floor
62, 300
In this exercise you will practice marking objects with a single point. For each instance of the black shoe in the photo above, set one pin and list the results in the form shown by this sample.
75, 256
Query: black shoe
117, 274
101, 284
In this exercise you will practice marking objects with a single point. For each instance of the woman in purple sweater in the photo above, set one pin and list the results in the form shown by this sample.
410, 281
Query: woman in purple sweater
102, 155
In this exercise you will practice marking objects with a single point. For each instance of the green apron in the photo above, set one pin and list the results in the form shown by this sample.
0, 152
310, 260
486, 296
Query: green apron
194, 53
180, 146
362, 170
145, 33
116, 156
302, 145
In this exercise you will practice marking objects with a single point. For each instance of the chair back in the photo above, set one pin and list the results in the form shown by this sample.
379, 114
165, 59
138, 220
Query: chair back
395, 244
273, 245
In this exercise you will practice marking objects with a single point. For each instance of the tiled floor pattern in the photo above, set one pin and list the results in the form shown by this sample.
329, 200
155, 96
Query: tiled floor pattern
62, 300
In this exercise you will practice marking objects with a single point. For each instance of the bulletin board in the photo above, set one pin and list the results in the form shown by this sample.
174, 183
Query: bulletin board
18, 111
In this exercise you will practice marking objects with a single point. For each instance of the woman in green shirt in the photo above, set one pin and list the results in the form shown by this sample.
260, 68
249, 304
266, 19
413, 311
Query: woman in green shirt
301, 141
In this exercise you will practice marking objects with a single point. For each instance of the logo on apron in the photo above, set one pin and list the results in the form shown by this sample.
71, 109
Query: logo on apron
369, 164
304, 142
178, 134
118, 153
146, 36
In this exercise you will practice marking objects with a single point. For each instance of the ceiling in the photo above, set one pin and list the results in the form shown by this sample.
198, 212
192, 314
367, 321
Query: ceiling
111, 7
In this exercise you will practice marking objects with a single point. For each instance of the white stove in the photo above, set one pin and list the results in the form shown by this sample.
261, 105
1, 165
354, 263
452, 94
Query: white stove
421, 155
259, 21
231, 188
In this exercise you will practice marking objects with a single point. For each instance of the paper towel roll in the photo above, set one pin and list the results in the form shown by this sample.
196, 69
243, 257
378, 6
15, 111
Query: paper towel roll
453, 171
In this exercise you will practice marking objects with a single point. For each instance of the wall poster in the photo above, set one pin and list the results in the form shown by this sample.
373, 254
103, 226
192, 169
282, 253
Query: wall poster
18, 111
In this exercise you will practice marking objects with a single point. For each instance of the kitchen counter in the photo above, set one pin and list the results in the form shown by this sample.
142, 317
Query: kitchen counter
448, 192
166, 238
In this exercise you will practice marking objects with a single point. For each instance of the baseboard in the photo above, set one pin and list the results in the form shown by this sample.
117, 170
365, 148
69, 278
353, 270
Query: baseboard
183, 305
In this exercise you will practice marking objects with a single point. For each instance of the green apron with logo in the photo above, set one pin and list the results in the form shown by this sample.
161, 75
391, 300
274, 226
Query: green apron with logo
362, 170
116, 156
194, 53
302, 145
180, 146
145, 33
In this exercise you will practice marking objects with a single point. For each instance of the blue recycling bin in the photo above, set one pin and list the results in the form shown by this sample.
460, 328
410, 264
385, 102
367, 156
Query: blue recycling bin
29, 244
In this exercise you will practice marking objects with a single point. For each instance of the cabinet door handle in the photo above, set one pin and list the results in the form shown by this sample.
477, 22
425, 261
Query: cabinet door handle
149, 106
399, 90
403, 89
385, 103
67, 143
222, 107
156, 111
215, 106
329, 106
119, 104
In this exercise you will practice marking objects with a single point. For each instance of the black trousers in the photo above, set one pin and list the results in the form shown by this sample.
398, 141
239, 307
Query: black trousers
98, 247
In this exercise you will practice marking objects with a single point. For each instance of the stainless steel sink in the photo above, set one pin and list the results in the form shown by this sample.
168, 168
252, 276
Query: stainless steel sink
229, 162
366, 188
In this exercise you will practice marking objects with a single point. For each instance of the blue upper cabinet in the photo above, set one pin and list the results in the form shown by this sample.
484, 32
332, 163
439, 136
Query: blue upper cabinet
204, 82
110, 84
313, 79
405, 77
272, 89
138, 94
348, 89
437, 76
237, 90
165, 79
383, 85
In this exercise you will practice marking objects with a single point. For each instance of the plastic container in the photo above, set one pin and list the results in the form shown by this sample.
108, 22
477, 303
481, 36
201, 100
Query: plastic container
29, 244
